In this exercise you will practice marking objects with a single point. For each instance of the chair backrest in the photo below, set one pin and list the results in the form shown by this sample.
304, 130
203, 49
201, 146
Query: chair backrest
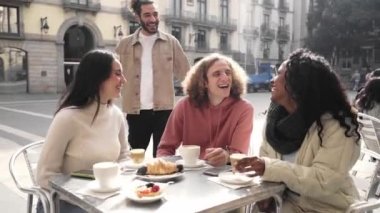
366, 171
30, 153
370, 132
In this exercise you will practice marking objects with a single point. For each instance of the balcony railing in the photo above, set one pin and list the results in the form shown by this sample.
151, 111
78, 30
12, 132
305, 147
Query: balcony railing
16, 2
283, 34
225, 48
205, 20
251, 32
269, 4
202, 46
84, 5
23, 1
267, 32
227, 24
283, 6
184, 17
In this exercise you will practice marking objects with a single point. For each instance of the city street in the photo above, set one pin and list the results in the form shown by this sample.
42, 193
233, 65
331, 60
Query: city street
25, 118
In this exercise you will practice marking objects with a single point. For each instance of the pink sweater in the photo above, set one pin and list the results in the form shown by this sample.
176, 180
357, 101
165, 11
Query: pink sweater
227, 125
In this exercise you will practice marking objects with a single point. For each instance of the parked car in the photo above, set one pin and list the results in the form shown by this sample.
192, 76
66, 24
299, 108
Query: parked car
259, 81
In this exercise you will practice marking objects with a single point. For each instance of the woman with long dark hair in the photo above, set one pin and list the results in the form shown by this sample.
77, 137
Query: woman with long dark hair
369, 98
311, 138
87, 128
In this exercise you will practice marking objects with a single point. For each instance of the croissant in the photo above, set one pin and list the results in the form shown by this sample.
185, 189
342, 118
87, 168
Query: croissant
159, 167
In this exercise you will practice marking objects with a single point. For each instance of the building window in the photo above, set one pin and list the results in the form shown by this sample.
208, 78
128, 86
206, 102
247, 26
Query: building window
9, 21
282, 21
202, 12
176, 32
281, 53
201, 39
266, 51
177, 8
133, 26
266, 19
223, 41
224, 11
81, 2
377, 55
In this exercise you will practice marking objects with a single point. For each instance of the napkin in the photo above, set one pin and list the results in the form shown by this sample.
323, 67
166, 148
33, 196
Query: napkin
255, 181
88, 192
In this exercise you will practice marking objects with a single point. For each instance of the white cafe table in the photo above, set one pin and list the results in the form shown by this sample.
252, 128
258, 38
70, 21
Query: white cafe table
190, 193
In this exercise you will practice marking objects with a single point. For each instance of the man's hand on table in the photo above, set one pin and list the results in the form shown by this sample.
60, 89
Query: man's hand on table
216, 156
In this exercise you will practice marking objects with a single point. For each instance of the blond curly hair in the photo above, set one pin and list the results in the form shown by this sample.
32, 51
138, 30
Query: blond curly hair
195, 81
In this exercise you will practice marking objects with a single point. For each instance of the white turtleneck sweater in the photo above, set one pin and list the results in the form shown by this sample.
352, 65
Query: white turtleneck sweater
73, 143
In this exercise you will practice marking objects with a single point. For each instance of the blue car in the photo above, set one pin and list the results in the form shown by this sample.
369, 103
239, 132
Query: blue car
259, 81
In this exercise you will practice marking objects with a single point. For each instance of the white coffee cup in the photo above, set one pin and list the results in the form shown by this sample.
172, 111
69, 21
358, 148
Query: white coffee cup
190, 154
235, 157
106, 173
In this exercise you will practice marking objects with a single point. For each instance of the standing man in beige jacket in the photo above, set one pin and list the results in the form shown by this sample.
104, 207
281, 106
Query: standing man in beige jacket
150, 59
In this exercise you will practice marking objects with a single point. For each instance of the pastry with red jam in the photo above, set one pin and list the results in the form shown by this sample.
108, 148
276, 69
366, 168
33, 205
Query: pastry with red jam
148, 190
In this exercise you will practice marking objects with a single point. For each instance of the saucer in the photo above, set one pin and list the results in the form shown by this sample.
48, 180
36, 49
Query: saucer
237, 178
160, 177
132, 196
200, 163
132, 165
95, 187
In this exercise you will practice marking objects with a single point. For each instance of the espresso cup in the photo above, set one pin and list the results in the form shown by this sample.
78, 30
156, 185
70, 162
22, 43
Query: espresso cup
137, 155
106, 173
190, 154
235, 157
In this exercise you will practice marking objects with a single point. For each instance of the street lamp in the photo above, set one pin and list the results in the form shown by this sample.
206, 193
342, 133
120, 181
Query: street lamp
44, 25
117, 31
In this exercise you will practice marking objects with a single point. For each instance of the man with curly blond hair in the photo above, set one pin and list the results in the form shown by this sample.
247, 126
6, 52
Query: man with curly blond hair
213, 116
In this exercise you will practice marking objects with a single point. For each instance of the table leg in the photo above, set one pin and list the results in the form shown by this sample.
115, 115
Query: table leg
278, 200
55, 202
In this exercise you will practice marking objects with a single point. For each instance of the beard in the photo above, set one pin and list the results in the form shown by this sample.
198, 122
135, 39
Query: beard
149, 30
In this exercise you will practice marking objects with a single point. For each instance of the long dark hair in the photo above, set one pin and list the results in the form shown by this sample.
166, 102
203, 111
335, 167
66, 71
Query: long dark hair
370, 94
316, 89
94, 68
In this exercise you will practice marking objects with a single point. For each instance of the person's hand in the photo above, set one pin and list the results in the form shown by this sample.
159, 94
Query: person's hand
216, 156
251, 164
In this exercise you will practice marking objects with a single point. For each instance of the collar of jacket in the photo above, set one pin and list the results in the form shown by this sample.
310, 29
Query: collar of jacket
135, 37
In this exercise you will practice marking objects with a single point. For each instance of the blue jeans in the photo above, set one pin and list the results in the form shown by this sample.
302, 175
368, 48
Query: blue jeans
64, 207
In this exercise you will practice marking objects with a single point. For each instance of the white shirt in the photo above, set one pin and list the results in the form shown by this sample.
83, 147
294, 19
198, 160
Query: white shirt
146, 84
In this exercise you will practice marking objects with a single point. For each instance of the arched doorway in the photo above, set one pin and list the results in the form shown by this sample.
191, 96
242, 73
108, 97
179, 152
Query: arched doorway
78, 40
13, 70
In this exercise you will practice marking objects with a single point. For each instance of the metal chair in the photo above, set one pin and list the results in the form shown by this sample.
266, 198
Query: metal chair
30, 153
369, 162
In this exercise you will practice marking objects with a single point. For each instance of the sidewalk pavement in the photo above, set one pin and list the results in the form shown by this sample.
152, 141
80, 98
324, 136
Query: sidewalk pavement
11, 199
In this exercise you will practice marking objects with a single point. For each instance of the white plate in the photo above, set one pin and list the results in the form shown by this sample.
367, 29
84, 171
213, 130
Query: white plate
160, 177
133, 196
132, 165
95, 187
237, 178
200, 163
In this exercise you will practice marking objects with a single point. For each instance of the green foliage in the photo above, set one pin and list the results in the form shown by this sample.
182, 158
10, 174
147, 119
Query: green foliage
337, 25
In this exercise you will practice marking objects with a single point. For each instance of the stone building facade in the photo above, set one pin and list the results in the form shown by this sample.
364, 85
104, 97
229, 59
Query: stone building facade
42, 41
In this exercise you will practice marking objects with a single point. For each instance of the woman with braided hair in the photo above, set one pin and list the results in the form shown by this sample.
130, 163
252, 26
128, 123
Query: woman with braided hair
311, 138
